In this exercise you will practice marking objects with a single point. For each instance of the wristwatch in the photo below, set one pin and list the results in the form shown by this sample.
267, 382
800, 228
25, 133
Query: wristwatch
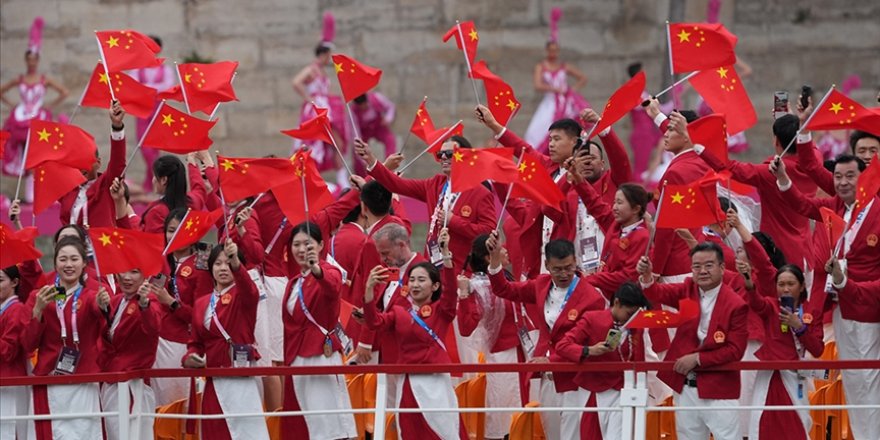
585, 352
174, 305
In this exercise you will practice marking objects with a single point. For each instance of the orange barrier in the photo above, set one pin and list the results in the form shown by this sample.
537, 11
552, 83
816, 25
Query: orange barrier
527, 425
472, 394
170, 429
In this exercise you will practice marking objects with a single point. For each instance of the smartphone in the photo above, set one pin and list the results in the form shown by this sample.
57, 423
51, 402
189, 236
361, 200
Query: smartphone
780, 104
158, 281
60, 293
612, 340
203, 251
806, 94
393, 273
787, 302
357, 313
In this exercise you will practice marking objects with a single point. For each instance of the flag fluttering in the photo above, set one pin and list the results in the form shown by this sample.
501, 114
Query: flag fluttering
177, 132
56, 142
120, 250
137, 99
700, 46
622, 101
354, 78
499, 94
127, 49
471, 166
193, 226
725, 93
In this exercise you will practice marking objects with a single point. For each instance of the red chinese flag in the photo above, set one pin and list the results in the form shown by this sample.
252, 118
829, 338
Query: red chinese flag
534, 182
840, 112
469, 32
173, 93
726, 94
470, 167
290, 194
193, 226
834, 225
120, 250
700, 46
688, 309
136, 98
725, 178
177, 132
206, 85
688, 206
422, 125
17, 247
354, 78
56, 142
52, 180
4, 137
867, 186
438, 137
499, 95
127, 49
244, 177
710, 131
317, 128
622, 101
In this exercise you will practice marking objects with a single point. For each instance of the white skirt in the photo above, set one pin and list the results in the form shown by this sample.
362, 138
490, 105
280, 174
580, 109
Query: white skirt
169, 389
71, 399
324, 392
434, 391
147, 403
261, 330
241, 395
273, 349
14, 402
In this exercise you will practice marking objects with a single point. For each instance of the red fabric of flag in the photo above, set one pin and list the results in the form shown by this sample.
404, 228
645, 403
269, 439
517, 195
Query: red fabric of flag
725, 179
17, 247
52, 180
471, 39
317, 128
177, 132
4, 137
622, 101
56, 142
470, 167
534, 182
710, 131
499, 95
422, 125
206, 85
688, 309
839, 112
127, 49
438, 137
290, 194
725, 93
867, 186
244, 177
120, 250
173, 93
355, 78
691, 205
700, 46
193, 226
834, 225
136, 98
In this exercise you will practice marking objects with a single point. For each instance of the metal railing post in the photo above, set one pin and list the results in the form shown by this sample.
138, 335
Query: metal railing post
379, 415
123, 404
137, 408
641, 414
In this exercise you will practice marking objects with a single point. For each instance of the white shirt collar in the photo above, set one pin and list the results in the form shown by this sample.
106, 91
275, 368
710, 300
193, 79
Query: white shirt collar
682, 152
710, 292
627, 229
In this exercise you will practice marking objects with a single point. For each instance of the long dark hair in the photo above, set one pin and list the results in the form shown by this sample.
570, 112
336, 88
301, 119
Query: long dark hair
433, 274
173, 169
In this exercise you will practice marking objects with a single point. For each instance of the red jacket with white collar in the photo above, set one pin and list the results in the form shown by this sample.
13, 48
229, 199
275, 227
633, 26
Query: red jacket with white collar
384, 340
13, 358
236, 310
302, 338
187, 283
591, 329
725, 340
583, 298
100, 206
135, 339
357, 254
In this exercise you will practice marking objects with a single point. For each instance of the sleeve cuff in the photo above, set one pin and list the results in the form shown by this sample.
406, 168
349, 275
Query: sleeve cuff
841, 285
501, 133
804, 138
659, 119
494, 270
783, 188
699, 148
645, 285
604, 132
370, 167
117, 135
365, 346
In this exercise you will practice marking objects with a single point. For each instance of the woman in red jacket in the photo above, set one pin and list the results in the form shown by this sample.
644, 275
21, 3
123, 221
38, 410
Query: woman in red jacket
169, 182
13, 359
310, 313
419, 331
789, 332
65, 326
223, 336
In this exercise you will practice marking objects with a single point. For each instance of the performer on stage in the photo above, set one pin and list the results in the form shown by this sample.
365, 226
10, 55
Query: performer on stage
374, 114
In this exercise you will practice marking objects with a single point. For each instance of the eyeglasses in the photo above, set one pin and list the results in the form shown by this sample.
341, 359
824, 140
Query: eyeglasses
562, 270
699, 267
444, 154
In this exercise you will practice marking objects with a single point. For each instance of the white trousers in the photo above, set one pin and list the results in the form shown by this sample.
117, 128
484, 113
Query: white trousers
860, 340
273, 349
169, 389
502, 390
14, 402
747, 385
696, 425
241, 395
324, 392
552, 420
147, 403
434, 391
71, 399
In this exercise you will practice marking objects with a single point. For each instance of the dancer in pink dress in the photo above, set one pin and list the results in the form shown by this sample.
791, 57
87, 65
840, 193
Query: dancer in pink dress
560, 100
32, 89
313, 85
374, 114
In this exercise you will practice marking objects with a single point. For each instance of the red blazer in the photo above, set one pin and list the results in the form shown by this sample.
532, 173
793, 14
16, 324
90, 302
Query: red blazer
470, 312
670, 254
472, 215
863, 294
357, 254
101, 208
415, 344
153, 219
186, 284
13, 358
238, 314
591, 329
791, 233
809, 160
32, 277
301, 337
251, 244
535, 291
135, 340
271, 218
45, 334
385, 340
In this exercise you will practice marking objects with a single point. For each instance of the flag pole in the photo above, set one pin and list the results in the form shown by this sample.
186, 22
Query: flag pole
807, 122
686, 77
669, 50
106, 70
507, 197
306, 200
653, 231
409, 132
183, 89
357, 132
446, 133
333, 141
592, 129
27, 144
467, 60
94, 254
216, 107
173, 236
141, 140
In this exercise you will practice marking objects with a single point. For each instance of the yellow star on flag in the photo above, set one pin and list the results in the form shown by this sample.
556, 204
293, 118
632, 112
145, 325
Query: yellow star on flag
227, 165
338, 67
836, 107
168, 119
677, 198
722, 72
103, 78
522, 167
187, 78
44, 135
473, 35
113, 42
684, 36
105, 239
458, 156
511, 105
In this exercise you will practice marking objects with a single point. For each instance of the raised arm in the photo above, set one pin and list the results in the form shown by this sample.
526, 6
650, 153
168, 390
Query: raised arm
519, 292
416, 189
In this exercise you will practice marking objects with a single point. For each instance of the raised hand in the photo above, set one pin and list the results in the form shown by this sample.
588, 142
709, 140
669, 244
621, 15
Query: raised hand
363, 151
116, 116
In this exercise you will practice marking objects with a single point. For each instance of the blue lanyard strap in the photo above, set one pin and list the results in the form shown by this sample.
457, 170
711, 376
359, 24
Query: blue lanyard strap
305, 310
571, 288
8, 304
418, 320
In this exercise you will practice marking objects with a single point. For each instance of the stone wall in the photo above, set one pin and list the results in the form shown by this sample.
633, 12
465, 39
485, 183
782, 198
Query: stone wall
786, 42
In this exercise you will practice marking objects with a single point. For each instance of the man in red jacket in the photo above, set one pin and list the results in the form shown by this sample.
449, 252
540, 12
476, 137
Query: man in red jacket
718, 337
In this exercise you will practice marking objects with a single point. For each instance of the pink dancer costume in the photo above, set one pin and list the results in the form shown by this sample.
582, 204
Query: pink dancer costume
374, 122
160, 78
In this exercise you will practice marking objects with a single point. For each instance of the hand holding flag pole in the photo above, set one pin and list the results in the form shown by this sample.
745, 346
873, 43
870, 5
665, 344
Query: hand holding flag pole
806, 122
302, 177
141, 140
432, 145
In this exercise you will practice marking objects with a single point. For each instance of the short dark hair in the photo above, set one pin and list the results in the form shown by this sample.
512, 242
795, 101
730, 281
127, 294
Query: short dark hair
80, 232
584, 147
376, 198
858, 135
785, 129
310, 229
634, 68
849, 158
709, 246
777, 257
559, 249
433, 274
568, 126
361, 99
352, 215
636, 195
215, 253
689, 115
629, 294
461, 141
321, 49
